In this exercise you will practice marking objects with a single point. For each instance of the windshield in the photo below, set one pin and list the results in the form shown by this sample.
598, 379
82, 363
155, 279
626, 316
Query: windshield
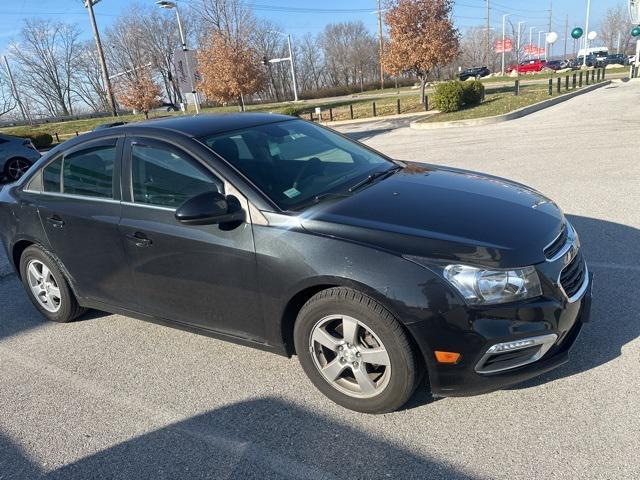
295, 162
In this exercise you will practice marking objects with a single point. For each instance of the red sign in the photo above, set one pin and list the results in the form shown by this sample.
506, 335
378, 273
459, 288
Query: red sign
503, 46
533, 50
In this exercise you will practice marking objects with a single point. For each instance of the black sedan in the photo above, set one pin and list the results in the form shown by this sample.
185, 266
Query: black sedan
475, 72
280, 234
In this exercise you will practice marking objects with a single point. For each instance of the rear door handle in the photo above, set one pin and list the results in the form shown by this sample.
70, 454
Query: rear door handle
139, 239
55, 221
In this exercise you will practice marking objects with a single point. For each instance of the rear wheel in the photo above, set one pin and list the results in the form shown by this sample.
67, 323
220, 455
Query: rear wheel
47, 287
355, 351
15, 168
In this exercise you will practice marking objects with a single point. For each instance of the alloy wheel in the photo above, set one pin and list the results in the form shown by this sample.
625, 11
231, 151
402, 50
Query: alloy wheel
350, 356
16, 168
44, 286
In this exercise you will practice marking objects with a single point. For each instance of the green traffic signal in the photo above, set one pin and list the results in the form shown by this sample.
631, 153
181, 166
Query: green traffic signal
577, 32
636, 31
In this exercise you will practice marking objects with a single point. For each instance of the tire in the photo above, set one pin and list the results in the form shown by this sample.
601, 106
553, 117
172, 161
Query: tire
15, 167
59, 304
377, 331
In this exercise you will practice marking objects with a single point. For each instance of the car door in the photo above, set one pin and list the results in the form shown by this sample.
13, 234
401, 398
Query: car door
204, 276
79, 207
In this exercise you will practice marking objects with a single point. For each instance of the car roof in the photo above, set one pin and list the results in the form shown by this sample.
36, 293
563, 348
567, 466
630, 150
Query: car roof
208, 124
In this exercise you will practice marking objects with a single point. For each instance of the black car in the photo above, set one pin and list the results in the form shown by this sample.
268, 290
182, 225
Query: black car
475, 72
280, 234
616, 59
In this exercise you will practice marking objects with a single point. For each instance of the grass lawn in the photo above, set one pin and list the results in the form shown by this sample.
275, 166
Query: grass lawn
361, 108
497, 104
498, 101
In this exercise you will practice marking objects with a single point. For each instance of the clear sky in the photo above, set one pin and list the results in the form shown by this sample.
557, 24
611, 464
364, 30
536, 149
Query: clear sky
300, 16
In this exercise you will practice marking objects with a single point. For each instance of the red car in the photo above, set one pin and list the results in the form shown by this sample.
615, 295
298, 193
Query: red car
529, 66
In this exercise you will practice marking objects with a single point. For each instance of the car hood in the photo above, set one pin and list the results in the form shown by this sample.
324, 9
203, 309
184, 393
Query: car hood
445, 214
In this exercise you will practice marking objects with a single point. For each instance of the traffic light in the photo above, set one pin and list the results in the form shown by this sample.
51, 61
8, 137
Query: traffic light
636, 31
265, 61
577, 32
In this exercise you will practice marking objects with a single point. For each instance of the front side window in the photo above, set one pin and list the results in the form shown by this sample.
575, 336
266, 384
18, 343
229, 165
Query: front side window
166, 177
89, 172
293, 162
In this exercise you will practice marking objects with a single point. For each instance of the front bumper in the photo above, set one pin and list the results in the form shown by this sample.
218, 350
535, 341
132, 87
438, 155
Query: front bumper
473, 332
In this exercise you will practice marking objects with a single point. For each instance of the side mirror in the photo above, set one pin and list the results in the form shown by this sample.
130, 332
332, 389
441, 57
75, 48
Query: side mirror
210, 208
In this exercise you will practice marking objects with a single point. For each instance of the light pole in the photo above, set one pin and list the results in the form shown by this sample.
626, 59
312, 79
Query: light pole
168, 5
290, 59
586, 35
540, 33
103, 65
504, 20
518, 44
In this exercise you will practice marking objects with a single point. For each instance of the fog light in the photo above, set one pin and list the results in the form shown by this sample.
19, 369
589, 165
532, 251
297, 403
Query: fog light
517, 345
447, 357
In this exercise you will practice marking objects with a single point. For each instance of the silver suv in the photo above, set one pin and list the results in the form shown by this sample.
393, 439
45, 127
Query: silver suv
16, 156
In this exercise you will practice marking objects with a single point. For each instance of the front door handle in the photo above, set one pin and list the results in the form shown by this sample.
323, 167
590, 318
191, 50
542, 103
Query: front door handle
139, 239
55, 221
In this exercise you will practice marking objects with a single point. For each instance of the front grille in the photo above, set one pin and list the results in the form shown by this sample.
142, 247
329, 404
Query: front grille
572, 277
554, 247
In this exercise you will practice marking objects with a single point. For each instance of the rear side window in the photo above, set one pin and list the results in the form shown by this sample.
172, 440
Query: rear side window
164, 176
89, 172
52, 176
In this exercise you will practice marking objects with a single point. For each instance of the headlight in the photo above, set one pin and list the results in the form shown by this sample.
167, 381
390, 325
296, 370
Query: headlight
480, 286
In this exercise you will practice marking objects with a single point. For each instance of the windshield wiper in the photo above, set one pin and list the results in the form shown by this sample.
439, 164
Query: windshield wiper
373, 177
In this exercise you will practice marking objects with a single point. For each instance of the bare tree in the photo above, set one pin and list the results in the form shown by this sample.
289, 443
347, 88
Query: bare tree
126, 46
88, 85
46, 53
232, 19
617, 24
310, 63
350, 53
7, 100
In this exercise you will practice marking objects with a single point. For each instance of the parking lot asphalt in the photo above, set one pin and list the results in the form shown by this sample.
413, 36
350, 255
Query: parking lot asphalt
113, 397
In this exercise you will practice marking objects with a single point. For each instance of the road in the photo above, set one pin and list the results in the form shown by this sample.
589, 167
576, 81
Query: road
113, 397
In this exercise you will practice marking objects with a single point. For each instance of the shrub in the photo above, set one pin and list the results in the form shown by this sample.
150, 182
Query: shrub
448, 96
472, 92
293, 111
39, 139
42, 140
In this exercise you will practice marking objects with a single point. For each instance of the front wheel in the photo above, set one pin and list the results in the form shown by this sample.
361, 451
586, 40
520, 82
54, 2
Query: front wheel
355, 351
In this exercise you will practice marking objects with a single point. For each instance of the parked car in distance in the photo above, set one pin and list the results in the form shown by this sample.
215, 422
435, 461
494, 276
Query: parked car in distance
590, 62
274, 232
616, 59
555, 64
528, 66
17, 154
475, 72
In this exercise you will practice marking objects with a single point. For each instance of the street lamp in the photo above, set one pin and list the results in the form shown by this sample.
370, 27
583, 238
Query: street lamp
168, 5
518, 44
539, 34
290, 59
586, 37
531, 29
504, 19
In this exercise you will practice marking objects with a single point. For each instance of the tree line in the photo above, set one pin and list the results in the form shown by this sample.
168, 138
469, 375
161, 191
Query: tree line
58, 74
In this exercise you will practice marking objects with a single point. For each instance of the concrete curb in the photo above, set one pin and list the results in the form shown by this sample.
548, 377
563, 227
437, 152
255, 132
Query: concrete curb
381, 118
521, 112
